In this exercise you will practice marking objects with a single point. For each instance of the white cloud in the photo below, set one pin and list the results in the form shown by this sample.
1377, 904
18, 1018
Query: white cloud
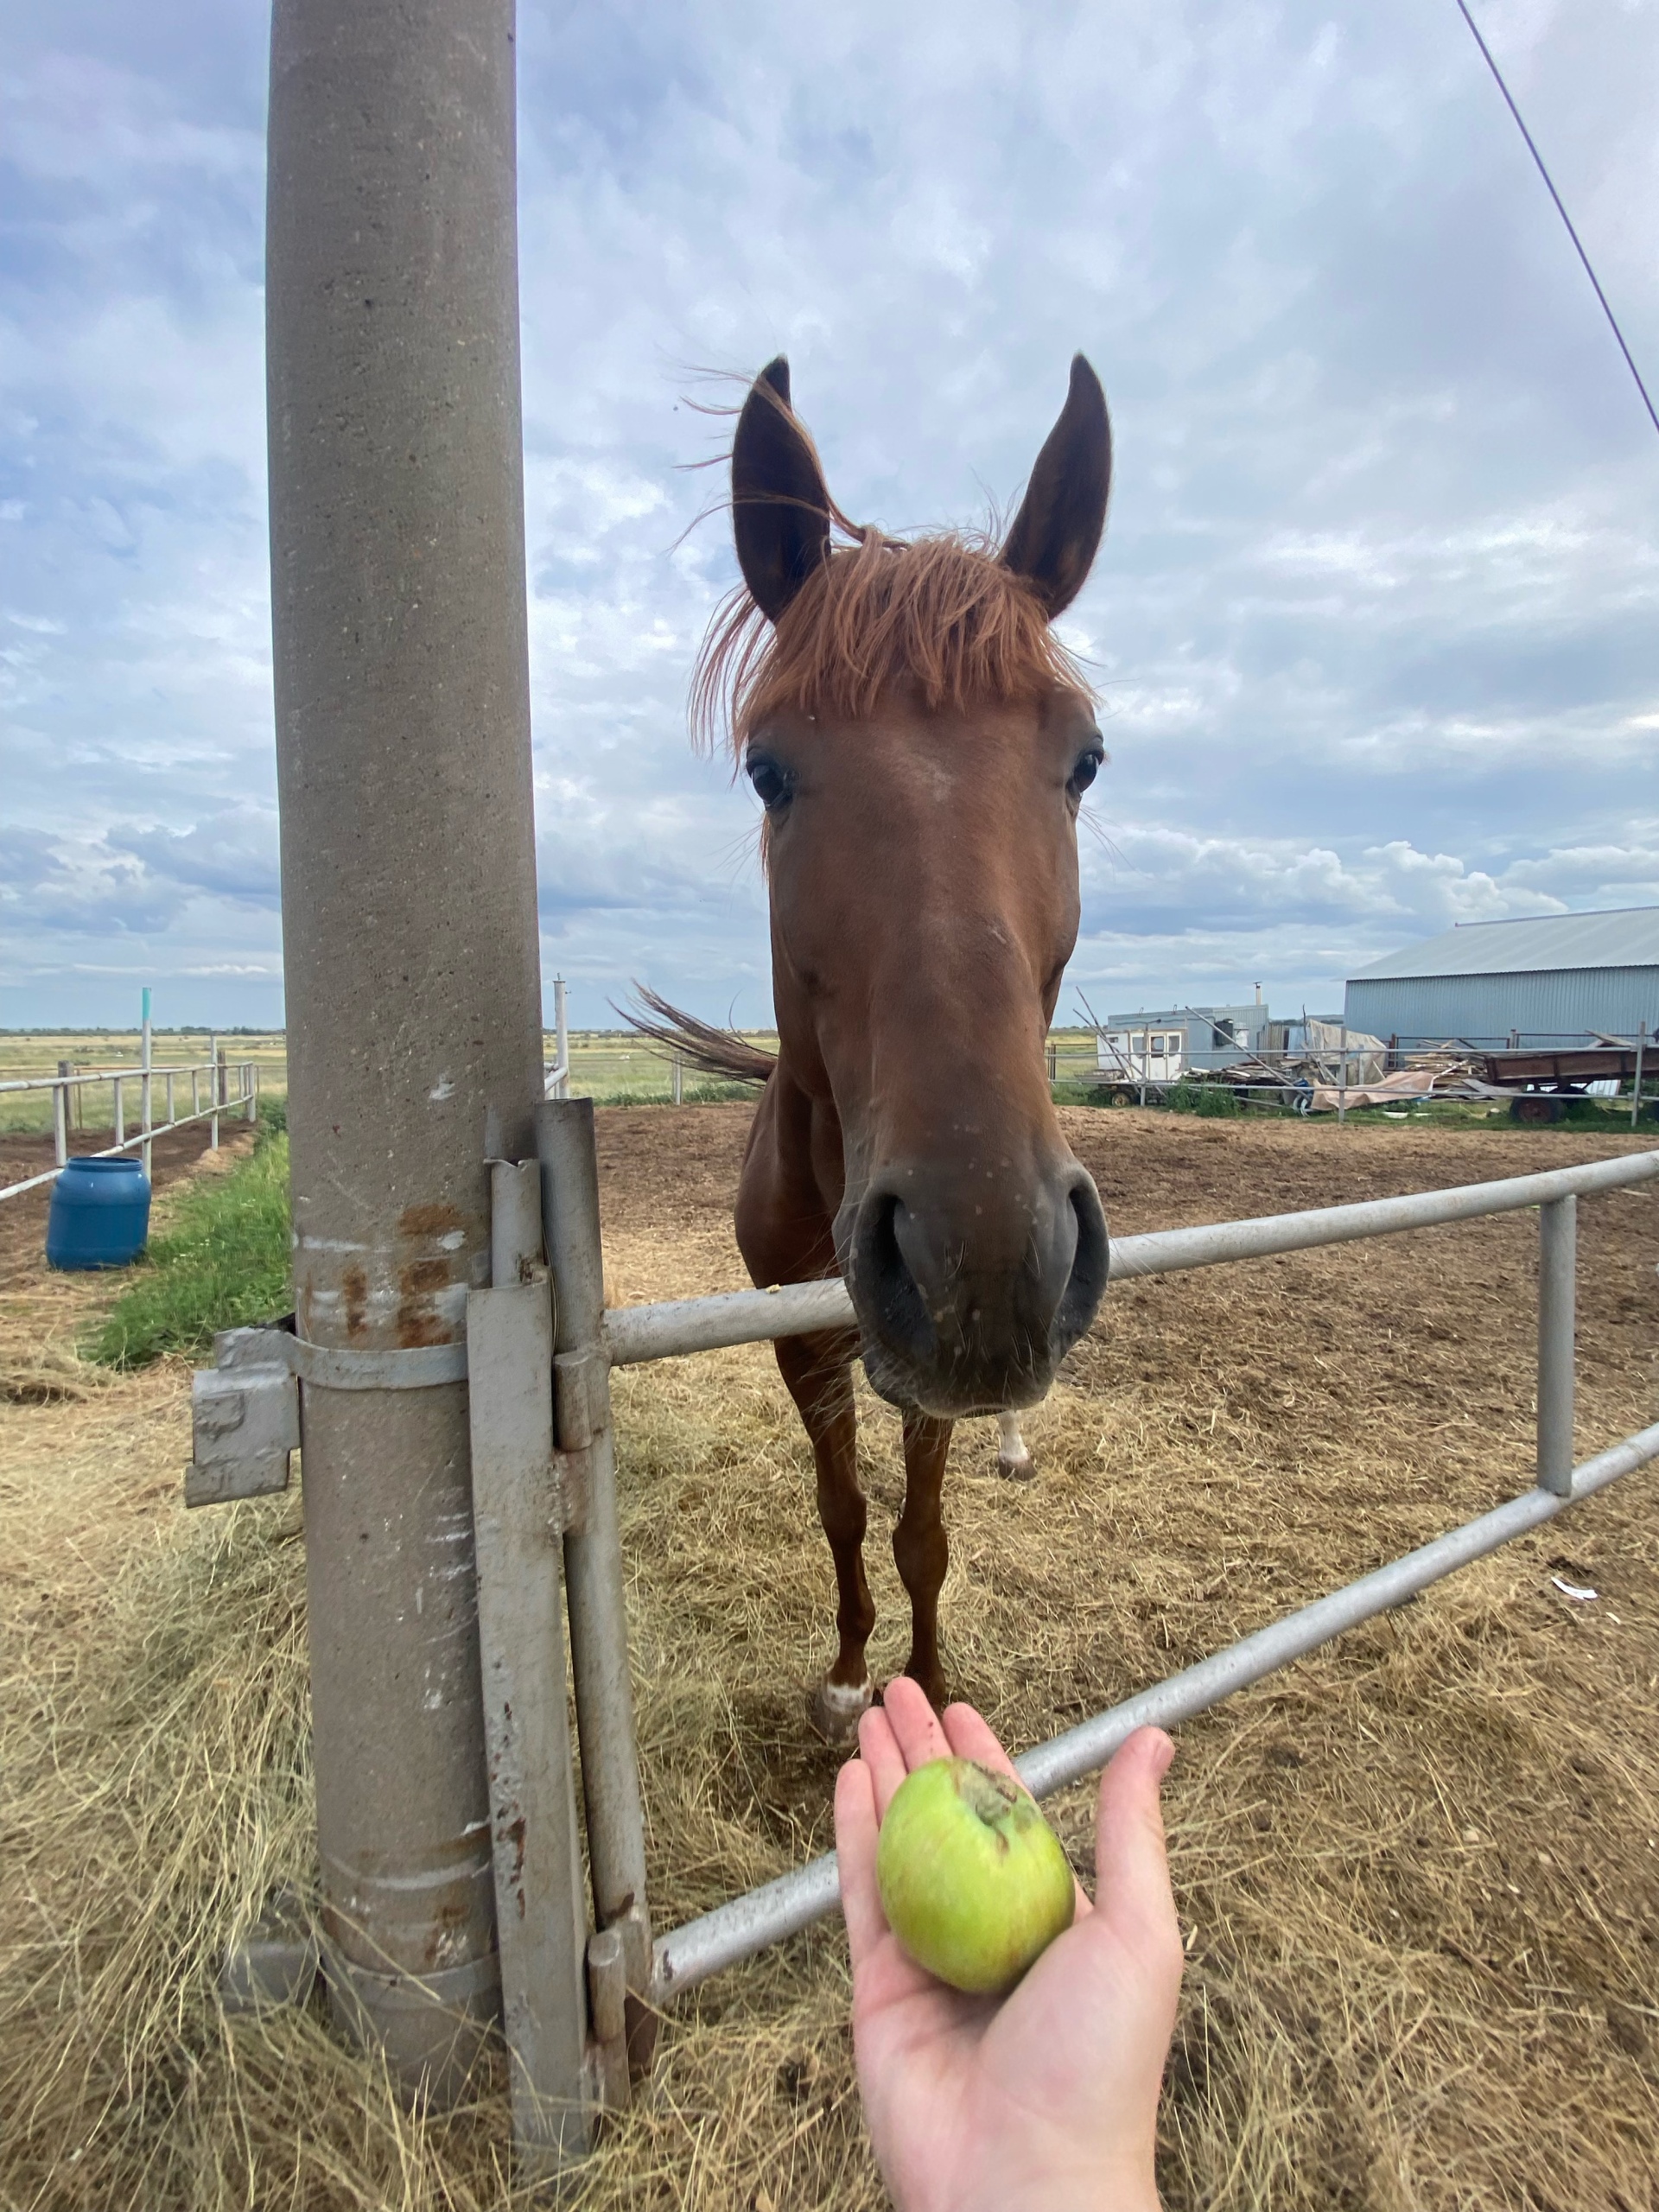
1376, 622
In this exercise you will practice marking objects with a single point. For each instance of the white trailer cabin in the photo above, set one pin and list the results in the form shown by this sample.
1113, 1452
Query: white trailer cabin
1141, 1054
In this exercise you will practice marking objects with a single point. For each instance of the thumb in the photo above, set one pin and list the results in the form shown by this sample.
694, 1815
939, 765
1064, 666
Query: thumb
1131, 1865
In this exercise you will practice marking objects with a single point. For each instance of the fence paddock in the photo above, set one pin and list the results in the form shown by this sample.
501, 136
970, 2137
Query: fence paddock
552, 1466
752, 1923
69, 1088
633, 1334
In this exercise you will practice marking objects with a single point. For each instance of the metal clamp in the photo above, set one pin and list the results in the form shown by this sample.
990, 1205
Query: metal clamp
244, 1410
581, 1397
582, 1411
420, 1367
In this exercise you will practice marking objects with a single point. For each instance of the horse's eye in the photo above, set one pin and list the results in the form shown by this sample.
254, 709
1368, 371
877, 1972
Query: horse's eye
771, 782
1087, 769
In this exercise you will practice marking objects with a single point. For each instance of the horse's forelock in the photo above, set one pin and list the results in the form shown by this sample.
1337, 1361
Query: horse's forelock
941, 613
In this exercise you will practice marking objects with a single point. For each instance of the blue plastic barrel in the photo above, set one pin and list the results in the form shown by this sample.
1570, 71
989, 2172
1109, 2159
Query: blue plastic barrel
100, 1214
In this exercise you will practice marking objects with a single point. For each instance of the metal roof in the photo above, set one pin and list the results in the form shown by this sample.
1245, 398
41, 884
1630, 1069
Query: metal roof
1626, 938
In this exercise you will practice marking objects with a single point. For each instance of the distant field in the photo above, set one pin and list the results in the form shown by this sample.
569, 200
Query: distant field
608, 1065
35, 1052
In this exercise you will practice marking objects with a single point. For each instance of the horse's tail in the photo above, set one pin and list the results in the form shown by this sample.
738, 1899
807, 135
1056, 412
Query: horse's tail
720, 1052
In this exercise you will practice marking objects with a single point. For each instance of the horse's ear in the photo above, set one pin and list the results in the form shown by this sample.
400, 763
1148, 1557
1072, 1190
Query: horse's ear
780, 510
1057, 533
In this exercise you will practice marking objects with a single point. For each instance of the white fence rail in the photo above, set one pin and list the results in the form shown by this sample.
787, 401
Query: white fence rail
233, 1088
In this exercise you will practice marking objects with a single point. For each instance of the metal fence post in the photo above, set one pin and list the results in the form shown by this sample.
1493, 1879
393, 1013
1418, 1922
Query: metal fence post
409, 929
518, 1518
251, 1083
593, 1550
1558, 1239
120, 1114
146, 1090
677, 1080
212, 1092
61, 1120
1635, 1087
1341, 1080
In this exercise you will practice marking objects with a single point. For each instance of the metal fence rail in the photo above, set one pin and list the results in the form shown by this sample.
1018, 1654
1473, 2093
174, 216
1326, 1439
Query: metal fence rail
748, 1923
634, 1333
233, 1087
736, 1931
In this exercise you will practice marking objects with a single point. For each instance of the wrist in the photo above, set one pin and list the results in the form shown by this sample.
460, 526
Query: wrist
1090, 2188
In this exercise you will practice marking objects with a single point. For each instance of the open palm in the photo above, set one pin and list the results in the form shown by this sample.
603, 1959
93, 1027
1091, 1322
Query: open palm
1048, 2096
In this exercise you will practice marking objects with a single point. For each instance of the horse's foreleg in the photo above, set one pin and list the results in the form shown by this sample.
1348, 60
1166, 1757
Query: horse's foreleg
1013, 1460
920, 1548
818, 1373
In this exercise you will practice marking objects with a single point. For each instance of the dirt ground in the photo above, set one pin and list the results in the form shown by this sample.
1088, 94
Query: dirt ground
43, 1313
23, 1220
1419, 1873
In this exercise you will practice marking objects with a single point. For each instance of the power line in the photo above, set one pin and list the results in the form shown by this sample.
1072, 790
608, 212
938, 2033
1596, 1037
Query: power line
1612, 320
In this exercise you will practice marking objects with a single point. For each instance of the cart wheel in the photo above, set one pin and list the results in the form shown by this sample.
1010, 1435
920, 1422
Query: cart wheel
1535, 1106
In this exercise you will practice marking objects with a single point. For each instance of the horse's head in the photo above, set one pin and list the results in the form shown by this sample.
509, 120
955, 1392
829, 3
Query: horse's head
921, 743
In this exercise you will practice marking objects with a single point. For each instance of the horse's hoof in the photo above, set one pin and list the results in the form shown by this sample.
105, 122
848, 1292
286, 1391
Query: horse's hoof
1022, 1469
835, 1710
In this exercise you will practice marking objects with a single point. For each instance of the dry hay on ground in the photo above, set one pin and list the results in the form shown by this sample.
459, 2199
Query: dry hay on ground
1418, 1872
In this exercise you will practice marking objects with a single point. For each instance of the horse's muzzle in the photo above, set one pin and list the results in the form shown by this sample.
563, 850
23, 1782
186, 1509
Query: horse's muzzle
969, 1298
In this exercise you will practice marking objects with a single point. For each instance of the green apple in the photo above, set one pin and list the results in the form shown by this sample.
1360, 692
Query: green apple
973, 1879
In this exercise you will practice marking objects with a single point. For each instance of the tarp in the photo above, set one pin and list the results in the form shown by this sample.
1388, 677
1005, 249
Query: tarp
1405, 1084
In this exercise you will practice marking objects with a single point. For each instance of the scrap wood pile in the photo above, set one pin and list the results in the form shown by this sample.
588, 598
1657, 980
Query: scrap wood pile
1442, 1073
1322, 1077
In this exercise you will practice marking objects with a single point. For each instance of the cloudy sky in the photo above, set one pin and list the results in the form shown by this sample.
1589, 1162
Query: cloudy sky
1375, 623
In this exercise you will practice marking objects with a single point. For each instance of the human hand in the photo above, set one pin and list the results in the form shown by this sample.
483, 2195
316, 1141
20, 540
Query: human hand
1047, 2097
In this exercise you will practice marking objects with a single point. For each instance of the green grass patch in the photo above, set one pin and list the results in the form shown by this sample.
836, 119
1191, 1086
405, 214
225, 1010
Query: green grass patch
222, 1263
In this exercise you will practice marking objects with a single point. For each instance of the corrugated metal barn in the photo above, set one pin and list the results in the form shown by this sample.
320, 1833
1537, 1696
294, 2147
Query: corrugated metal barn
1547, 979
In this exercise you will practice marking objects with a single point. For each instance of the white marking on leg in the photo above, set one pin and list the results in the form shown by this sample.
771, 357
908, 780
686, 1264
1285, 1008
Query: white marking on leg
1013, 1459
836, 1709
844, 1698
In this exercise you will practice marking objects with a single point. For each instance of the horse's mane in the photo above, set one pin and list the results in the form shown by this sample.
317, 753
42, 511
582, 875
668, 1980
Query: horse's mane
941, 610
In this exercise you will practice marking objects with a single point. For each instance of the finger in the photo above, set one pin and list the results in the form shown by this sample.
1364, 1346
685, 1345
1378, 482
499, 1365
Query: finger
878, 1747
914, 1723
1131, 1863
855, 1838
969, 1737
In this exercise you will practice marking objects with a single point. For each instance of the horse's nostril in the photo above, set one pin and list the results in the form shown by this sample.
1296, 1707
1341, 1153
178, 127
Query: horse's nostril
1090, 1267
969, 1314
883, 1276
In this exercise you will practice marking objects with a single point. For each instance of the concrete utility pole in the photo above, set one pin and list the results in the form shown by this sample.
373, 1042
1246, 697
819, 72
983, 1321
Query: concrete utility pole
408, 921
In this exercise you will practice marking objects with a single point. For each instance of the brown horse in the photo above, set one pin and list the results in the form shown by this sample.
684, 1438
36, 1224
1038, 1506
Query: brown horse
921, 743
